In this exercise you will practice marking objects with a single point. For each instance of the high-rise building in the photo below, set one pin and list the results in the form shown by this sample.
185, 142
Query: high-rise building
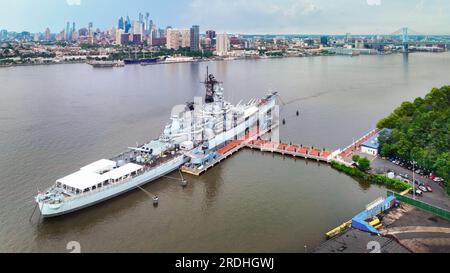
67, 32
47, 35
61, 36
173, 38
195, 38
223, 44
3, 34
137, 27
121, 23
90, 28
73, 27
127, 24
161, 33
36, 37
211, 34
124, 38
185, 38
148, 27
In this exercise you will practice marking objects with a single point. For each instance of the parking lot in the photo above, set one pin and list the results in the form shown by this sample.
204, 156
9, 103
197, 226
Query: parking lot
437, 198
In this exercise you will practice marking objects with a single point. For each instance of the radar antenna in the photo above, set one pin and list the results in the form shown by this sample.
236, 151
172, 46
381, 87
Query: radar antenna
210, 85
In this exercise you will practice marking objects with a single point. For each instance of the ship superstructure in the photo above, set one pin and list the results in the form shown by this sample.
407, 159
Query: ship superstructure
196, 130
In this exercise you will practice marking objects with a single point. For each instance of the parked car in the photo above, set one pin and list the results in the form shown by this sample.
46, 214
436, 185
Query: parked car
404, 176
418, 192
430, 189
423, 188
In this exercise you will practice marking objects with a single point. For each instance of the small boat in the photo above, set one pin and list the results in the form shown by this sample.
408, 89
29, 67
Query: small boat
102, 64
6, 65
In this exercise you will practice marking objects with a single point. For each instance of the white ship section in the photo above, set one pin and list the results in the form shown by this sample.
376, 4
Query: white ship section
94, 197
205, 126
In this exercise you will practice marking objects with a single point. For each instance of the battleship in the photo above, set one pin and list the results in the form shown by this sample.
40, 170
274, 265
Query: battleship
197, 129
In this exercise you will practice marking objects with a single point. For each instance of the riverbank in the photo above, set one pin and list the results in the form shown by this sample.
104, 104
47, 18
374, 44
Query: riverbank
212, 59
373, 178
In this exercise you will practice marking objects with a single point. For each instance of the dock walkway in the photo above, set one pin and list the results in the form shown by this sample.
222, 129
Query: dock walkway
234, 146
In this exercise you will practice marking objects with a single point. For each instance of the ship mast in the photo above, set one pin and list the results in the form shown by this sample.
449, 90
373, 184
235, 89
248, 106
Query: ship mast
210, 86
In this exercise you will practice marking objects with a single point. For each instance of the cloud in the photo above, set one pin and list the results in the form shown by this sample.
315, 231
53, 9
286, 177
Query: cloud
374, 2
252, 15
73, 2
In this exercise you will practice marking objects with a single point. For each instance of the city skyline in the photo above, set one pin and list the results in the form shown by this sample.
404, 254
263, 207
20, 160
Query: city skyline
238, 16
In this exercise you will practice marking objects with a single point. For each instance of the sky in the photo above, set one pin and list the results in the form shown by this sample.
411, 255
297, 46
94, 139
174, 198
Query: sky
236, 16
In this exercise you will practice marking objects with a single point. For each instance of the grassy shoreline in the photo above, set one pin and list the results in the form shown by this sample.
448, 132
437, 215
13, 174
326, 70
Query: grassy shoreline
372, 178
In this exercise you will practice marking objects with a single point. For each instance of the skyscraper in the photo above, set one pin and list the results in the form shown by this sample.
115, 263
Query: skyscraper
3, 34
223, 44
47, 34
211, 34
90, 27
173, 38
195, 38
67, 32
324, 40
127, 24
148, 26
121, 24
185, 38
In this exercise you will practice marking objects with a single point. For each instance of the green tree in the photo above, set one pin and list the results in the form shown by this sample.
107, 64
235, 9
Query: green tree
356, 158
364, 164
421, 132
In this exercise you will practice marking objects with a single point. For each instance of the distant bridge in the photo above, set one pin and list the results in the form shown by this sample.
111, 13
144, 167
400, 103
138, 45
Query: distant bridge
402, 37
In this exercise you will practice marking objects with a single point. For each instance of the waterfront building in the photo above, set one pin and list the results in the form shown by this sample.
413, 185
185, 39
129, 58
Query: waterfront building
173, 38
372, 145
223, 44
344, 51
195, 38
186, 38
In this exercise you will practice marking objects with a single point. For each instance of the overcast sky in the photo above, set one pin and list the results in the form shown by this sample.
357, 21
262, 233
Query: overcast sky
237, 16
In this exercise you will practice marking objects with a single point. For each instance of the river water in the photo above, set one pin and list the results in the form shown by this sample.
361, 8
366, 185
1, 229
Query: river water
55, 119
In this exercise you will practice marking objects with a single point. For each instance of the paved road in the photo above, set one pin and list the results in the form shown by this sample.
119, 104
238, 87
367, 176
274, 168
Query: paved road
438, 197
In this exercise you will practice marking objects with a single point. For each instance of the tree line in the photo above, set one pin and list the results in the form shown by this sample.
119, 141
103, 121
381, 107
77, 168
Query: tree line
421, 132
